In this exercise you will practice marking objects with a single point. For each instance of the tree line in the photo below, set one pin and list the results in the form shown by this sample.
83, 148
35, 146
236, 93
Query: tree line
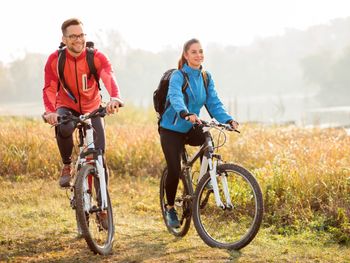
314, 61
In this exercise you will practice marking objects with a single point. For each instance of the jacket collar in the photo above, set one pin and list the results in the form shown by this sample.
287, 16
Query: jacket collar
192, 71
82, 55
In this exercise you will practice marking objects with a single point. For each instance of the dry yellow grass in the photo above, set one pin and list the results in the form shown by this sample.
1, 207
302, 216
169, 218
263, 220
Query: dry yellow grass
304, 173
38, 225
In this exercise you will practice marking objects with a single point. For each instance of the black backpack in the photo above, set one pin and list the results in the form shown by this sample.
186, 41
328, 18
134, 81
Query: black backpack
160, 102
62, 60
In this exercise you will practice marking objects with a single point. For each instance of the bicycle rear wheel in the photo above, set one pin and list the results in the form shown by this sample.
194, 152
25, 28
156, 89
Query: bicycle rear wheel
182, 205
97, 226
233, 227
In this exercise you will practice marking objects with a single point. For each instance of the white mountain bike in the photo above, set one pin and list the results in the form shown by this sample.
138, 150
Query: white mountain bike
225, 201
89, 191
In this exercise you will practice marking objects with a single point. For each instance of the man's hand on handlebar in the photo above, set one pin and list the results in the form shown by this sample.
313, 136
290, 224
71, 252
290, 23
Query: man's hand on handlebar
113, 106
50, 117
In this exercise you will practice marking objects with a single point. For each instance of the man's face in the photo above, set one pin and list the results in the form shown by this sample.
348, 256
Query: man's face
74, 38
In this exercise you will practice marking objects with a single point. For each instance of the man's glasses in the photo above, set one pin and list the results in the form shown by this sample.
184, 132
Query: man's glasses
76, 37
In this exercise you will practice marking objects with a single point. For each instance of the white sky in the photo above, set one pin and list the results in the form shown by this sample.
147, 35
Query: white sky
34, 25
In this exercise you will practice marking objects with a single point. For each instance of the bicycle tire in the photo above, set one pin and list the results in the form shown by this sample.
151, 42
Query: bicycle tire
231, 228
182, 205
79, 231
97, 235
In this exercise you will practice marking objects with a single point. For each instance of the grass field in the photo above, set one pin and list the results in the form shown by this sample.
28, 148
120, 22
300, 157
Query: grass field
304, 175
37, 225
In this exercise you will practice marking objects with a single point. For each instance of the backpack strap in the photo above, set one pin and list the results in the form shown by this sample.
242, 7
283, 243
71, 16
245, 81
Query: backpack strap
205, 80
183, 89
90, 60
60, 69
185, 85
206, 85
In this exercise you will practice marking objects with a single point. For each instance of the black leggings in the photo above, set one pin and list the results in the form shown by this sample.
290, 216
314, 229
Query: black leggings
64, 135
173, 146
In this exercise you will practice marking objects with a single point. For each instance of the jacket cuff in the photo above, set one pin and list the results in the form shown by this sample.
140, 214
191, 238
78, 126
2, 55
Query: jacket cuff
121, 103
184, 114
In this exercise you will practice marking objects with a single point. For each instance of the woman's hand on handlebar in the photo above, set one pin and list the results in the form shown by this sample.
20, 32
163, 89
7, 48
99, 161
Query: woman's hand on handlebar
51, 118
234, 125
193, 118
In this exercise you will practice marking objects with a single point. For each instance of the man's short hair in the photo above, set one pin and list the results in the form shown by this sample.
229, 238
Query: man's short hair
70, 22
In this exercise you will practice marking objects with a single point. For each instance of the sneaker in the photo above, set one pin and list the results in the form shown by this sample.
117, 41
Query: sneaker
65, 176
102, 218
171, 217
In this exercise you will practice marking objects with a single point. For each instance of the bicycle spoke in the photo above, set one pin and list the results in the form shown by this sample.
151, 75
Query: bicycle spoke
182, 205
233, 227
96, 225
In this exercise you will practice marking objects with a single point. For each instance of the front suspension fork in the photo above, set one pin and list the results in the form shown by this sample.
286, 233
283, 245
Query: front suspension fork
213, 178
102, 179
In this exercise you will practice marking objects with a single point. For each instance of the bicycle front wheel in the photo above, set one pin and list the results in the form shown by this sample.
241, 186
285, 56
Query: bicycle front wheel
235, 226
96, 225
182, 205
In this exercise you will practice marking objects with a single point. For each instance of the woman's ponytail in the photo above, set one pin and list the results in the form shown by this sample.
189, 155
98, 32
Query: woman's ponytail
186, 47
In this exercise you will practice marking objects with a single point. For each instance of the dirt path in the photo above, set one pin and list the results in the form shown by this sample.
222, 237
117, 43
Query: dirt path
37, 225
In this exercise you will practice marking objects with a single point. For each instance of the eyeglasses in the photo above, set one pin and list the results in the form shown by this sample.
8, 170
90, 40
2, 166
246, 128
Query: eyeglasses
76, 37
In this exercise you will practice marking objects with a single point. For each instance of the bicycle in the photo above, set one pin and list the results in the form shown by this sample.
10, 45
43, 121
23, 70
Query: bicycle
226, 215
89, 191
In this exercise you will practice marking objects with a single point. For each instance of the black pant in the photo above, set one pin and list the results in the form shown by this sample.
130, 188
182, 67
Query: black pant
64, 135
173, 146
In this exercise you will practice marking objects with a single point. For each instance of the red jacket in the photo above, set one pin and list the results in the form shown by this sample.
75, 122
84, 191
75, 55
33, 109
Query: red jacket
74, 71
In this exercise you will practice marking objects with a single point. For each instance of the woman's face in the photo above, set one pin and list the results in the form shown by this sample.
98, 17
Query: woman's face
194, 55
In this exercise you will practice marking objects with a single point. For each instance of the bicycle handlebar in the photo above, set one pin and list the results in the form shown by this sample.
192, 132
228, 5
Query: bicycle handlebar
82, 118
214, 124
101, 111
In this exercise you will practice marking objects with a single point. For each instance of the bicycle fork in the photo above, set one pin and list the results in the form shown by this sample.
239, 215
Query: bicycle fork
208, 163
99, 165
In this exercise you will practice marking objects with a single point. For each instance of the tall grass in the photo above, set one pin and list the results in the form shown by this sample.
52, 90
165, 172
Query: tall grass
28, 146
304, 173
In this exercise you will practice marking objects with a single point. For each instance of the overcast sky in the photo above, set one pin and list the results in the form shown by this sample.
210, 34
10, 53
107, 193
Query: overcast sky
34, 25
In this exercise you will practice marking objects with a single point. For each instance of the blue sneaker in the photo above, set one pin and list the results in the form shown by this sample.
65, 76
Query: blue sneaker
171, 217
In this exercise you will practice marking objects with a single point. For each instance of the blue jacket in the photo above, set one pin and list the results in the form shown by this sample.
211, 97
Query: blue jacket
197, 97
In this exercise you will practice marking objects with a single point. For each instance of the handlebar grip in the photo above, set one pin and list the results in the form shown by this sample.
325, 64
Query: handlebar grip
43, 117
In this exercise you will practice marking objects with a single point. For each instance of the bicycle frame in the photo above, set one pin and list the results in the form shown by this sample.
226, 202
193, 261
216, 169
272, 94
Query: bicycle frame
208, 164
89, 141
86, 150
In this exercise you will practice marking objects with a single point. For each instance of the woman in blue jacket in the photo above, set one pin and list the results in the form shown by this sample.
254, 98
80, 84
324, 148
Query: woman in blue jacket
176, 126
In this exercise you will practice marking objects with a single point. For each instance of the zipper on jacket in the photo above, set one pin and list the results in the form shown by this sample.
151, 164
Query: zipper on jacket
175, 119
191, 90
77, 83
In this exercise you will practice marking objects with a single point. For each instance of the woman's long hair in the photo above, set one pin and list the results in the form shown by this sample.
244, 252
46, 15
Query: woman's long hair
186, 47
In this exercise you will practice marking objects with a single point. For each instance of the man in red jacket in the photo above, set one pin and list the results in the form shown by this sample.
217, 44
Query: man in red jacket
78, 93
